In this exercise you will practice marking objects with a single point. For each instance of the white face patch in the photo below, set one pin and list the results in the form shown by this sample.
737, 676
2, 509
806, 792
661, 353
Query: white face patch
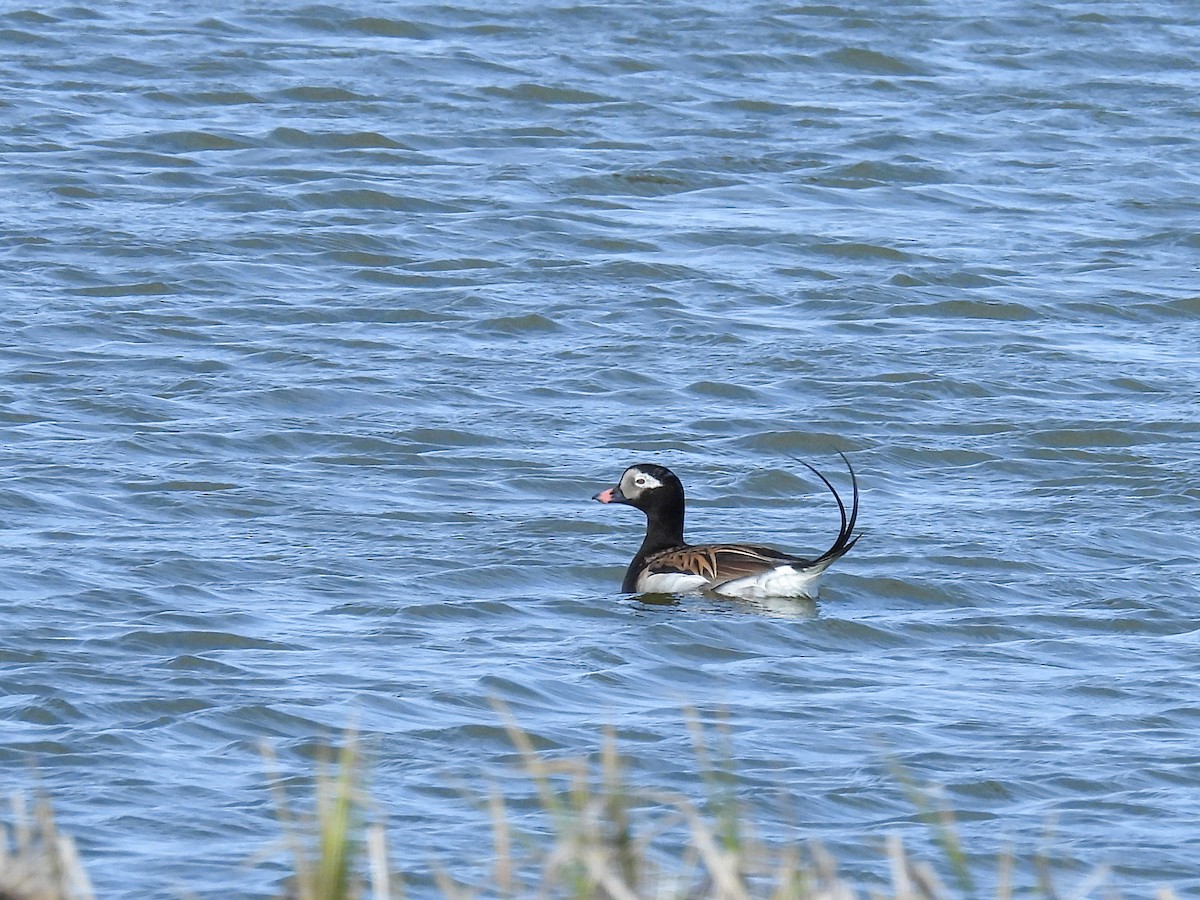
634, 481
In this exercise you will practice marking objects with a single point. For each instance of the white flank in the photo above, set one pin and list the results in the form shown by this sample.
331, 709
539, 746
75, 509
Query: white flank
782, 581
670, 583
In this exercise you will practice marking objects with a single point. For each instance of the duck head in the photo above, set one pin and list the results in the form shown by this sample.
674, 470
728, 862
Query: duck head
648, 487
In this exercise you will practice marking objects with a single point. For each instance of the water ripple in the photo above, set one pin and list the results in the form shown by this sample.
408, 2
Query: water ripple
324, 323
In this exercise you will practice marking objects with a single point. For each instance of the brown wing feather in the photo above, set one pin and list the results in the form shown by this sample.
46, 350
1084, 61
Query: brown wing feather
717, 562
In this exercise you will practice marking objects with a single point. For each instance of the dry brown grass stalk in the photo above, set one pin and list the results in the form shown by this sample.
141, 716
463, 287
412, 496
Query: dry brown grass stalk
605, 841
37, 862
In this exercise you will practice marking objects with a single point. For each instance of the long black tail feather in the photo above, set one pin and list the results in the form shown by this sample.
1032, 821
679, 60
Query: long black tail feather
846, 537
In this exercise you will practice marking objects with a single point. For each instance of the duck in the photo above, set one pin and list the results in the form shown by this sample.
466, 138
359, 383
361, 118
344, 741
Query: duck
668, 564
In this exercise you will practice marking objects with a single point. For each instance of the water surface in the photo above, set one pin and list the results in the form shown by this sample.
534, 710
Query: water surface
322, 323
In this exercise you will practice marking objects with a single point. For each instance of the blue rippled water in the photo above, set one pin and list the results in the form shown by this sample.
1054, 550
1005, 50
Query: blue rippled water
323, 322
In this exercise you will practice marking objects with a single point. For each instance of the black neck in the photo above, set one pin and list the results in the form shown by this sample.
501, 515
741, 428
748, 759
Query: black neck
664, 531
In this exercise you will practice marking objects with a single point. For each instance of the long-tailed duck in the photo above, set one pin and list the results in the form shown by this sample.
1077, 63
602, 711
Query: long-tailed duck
667, 564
